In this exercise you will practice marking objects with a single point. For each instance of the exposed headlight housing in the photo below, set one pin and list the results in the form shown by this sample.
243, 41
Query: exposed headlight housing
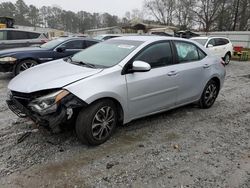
49, 103
8, 59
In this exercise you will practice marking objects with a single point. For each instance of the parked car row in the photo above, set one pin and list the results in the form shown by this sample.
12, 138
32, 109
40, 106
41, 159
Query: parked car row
14, 38
114, 82
17, 60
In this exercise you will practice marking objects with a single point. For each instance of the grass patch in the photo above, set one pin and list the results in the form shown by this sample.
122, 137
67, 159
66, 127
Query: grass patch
236, 57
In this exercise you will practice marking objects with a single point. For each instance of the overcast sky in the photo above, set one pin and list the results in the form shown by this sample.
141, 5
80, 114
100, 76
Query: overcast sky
117, 7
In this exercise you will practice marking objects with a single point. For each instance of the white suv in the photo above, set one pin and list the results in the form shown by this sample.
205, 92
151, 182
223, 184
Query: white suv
219, 46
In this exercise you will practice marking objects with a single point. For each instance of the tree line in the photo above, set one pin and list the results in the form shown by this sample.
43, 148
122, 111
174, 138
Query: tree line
203, 15
56, 17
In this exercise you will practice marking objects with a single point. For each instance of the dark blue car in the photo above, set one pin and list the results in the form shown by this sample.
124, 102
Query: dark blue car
19, 59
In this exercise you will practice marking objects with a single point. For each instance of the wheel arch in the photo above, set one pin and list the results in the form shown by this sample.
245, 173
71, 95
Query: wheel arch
217, 81
229, 53
28, 58
118, 105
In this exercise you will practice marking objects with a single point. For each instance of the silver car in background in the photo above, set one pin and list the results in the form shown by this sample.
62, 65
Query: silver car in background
15, 38
117, 81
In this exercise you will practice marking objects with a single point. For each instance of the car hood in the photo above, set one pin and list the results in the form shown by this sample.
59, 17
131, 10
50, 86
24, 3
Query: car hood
52, 75
13, 51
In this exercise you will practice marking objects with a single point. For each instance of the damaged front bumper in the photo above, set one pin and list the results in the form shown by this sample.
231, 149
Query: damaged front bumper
62, 113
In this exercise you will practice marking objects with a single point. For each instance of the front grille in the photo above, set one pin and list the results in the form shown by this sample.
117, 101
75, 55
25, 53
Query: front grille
22, 98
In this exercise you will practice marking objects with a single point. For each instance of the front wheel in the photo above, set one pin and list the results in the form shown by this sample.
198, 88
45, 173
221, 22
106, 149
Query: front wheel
24, 65
209, 94
96, 123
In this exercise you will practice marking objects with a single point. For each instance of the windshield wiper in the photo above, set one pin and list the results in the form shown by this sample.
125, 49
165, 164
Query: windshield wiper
86, 64
82, 63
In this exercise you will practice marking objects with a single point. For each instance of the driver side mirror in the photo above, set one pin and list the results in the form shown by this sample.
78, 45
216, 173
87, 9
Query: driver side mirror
61, 49
210, 45
140, 66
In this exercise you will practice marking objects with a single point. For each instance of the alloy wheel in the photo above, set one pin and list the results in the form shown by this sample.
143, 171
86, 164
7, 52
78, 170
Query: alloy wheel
103, 123
210, 94
227, 59
26, 66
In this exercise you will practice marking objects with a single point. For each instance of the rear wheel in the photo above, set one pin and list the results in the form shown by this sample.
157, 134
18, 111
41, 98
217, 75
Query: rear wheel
24, 65
227, 58
96, 124
209, 94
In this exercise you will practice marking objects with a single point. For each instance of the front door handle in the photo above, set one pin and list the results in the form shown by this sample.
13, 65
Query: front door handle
206, 66
172, 73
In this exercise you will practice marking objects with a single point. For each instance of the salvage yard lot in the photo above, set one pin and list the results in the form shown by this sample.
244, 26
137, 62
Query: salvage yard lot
186, 147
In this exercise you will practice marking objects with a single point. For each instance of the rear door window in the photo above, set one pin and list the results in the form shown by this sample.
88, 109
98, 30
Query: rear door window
75, 44
187, 52
90, 43
220, 41
33, 35
17, 35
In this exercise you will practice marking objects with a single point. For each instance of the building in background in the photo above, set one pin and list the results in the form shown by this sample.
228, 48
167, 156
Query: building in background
103, 31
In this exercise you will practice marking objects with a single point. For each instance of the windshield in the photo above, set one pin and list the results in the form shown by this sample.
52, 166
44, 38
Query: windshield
201, 41
53, 43
107, 54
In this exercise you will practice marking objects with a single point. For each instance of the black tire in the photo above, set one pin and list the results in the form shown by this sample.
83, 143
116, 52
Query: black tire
24, 65
227, 58
209, 94
100, 117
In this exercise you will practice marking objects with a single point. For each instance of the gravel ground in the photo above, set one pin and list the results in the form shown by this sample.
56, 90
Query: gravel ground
186, 147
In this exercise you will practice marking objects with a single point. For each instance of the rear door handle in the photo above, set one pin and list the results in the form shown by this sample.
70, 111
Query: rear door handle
172, 73
206, 66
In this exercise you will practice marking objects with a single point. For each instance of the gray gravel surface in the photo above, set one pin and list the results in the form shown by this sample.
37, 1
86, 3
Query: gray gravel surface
185, 147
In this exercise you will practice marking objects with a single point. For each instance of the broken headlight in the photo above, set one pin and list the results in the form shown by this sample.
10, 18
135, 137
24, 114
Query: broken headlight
8, 59
48, 104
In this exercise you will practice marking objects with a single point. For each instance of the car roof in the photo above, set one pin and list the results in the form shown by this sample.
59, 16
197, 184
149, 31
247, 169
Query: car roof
12, 29
200, 38
209, 37
80, 38
105, 35
147, 38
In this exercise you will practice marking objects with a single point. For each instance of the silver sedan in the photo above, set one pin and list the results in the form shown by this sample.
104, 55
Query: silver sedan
117, 81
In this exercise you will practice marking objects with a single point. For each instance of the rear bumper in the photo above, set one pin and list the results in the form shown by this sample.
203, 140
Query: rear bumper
62, 114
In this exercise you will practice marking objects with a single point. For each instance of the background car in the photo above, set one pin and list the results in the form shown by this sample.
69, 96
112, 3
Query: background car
19, 59
219, 46
106, 36
14, 38
185, 34
117, 81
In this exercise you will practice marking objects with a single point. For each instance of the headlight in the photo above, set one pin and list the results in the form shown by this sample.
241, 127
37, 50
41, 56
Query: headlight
8, 59
48, 103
